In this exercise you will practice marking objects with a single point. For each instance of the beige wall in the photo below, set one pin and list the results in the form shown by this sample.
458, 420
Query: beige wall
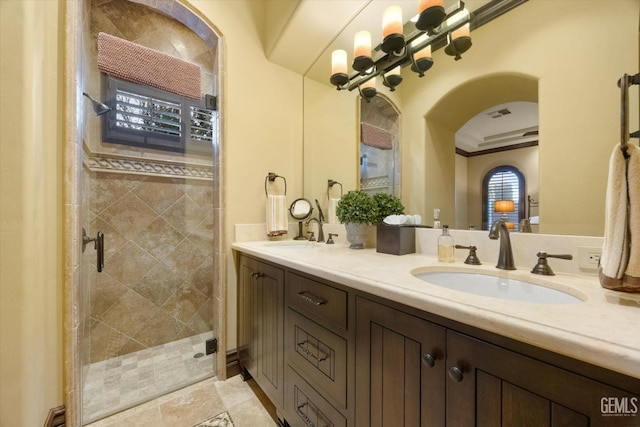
32, 119
330, 135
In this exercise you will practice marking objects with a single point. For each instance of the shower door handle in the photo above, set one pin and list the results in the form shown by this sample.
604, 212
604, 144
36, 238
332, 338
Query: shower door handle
100, 251
98, 246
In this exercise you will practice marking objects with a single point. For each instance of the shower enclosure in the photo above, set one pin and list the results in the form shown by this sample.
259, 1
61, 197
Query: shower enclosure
146, 319
379, 152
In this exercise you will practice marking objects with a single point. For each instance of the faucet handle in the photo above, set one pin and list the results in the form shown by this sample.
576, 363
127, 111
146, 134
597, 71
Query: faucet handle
472, 258
330, 239
542, 267
312, 237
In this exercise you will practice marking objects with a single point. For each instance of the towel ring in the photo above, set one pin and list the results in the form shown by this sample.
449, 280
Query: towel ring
271, 178
330, 185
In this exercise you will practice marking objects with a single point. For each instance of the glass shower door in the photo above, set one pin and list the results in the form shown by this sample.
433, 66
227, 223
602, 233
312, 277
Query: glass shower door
150, 310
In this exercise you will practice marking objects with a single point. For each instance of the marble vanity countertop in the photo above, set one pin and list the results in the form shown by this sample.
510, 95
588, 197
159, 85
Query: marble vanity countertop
601, 330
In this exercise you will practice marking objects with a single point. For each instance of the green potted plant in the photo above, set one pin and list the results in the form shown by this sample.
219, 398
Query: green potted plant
357, 211
388, 204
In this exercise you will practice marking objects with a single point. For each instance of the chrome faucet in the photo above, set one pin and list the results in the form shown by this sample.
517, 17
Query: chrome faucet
505, 256
320, 232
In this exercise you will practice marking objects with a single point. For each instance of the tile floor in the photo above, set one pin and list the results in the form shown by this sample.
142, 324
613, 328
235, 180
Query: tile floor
196, 403
121, 382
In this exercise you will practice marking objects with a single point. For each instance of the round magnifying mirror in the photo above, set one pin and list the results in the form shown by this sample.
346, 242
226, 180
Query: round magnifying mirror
300, 209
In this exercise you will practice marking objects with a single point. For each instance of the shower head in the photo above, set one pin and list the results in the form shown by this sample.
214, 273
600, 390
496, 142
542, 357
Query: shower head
98, 106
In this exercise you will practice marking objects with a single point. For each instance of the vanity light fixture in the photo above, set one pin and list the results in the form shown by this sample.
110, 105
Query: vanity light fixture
434, 25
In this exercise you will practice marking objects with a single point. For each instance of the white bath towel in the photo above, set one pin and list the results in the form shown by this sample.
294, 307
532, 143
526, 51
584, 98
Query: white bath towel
620, 262
333, 218
276, 216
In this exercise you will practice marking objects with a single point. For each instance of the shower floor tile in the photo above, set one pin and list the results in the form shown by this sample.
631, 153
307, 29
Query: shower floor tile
125, 381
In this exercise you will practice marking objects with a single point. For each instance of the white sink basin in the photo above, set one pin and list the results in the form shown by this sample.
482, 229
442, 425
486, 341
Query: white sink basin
497, 287
291, 244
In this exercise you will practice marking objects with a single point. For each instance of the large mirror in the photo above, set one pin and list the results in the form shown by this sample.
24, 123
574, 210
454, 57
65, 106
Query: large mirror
565, 56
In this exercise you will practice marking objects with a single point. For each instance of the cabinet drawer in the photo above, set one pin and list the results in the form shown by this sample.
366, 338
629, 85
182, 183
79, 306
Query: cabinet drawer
318, 354
306, 408
317, 300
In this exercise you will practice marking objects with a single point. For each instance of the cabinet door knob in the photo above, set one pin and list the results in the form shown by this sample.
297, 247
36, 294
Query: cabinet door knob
429, 359
456, 374
256, 275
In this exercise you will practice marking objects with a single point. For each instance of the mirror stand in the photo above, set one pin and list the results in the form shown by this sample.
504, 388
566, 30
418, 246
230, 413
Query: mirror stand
300, 236
300, 209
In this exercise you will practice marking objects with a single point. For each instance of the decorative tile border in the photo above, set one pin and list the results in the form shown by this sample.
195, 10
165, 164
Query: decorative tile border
147, 167
220, 420
375, 182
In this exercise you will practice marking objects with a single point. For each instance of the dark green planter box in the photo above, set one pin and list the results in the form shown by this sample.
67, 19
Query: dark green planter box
396, 239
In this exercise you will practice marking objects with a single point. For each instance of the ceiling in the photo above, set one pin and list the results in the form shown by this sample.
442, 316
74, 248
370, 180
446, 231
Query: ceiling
329, 24
499, 126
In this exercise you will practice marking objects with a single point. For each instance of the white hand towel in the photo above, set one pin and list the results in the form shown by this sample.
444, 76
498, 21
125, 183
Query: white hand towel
333, 219
620, 262
276, 216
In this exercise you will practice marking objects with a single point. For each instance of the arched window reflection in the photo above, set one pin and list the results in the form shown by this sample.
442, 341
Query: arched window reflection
503, 196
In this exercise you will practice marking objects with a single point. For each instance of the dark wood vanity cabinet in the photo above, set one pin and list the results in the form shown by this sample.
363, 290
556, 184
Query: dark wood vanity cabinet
329, 355
261, 325
317, 348
410, 371
491, 386
400, 368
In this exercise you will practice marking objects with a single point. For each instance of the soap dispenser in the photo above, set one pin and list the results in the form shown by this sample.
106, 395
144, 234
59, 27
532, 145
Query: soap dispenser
445, 245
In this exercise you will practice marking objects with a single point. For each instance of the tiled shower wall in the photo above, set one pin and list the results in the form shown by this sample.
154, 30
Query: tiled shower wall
157, 281
157, 284
381, 113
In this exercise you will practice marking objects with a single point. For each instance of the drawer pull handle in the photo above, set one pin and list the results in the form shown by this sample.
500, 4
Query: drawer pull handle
456, 374
302, 346
306, 418
311, 298
429, 359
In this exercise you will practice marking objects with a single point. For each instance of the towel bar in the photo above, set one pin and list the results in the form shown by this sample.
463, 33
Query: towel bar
271, 178
624, 83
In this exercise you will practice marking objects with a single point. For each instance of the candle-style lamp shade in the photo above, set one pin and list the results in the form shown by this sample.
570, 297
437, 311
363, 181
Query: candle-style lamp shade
392, 79
362, 51
339, 76
393, 40
421, 60
368, 89
432, 14
459, 42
